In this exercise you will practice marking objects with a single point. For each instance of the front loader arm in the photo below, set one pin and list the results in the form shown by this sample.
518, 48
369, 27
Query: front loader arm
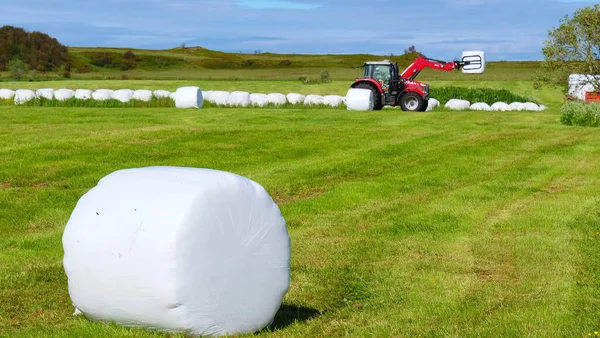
422, 62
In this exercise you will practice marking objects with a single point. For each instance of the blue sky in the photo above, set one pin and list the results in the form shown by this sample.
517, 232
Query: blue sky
505, 29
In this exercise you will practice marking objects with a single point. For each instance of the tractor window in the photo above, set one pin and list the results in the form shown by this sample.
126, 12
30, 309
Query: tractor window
381, 74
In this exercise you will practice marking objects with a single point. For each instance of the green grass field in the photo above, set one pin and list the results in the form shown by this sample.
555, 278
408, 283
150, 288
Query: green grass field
432, 224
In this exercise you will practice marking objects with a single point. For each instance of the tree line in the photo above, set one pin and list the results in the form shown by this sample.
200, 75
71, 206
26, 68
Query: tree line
37, 50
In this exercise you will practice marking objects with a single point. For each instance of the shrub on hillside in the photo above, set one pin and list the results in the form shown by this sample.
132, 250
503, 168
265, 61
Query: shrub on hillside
17, 69
581, 114
37, 50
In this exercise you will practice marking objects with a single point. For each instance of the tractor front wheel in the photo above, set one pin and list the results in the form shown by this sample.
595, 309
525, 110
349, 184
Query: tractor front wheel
413, 102
377, 104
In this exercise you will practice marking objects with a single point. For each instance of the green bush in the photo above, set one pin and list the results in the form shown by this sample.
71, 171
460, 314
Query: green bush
581, 114
487, 95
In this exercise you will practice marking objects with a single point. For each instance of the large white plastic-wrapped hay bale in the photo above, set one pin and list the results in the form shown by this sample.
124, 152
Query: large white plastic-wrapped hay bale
197, 251
499, 106
102, 94
142, 95
189, 97
295, 98
333, 100
480, 106
123, 95
24, 95
206, 95
311, 100
239, 99
64, 94
276, 98
359, 99
258, 99
530, 106
219, 97
46, 93
456, 104
83, 94
173, 96
432, 104
161, 94
6, 94
515, 106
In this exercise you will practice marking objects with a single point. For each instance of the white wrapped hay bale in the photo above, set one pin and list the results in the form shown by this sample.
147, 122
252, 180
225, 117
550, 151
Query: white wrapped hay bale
24, 95
7, 94
142, 95
197, 251
161, 94
123, 95
542, 107
173, 96
239, 99
276, 98
480, 106
258, 99
499, 106
333, 100
83, 94
530, 106
46, 93
189, 97
456, 104
515, 106
312, 100
102, 94
295, 98
359, 99
64, 94
432, 104
206, 95
219, 97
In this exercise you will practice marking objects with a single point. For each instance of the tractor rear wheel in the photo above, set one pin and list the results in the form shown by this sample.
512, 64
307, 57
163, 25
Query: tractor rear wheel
377, 104
412, 102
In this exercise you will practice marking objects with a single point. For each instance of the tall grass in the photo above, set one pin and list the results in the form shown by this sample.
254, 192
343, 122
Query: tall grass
581, 114
487, 95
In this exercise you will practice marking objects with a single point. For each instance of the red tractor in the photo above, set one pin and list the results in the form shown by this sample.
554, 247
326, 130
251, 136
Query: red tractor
392, 88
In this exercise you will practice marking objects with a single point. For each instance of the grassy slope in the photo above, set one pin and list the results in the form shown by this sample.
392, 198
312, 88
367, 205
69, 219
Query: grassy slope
434, 224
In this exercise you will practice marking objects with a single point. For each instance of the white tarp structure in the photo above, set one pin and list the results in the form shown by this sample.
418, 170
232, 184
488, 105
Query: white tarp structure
219, 97
189, 97
83, 94
456, 104
161, 94
142, 95
295, 98
6, 94
480, 106
46, 93
311, 100
579, 84
432, 104
24, 95
276, 98
197, 251
333, 100
239, 99
63, 94
499, 106
359, 99
123, 95
102, 94
258, 99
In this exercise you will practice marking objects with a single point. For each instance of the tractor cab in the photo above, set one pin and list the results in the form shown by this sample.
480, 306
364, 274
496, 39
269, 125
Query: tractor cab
382, 72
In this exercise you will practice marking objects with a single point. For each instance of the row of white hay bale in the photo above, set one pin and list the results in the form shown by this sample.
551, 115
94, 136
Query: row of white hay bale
456, 104
124, 95
245, 99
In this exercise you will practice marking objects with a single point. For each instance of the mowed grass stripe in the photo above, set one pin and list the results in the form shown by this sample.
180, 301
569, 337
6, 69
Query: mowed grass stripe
438, 224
